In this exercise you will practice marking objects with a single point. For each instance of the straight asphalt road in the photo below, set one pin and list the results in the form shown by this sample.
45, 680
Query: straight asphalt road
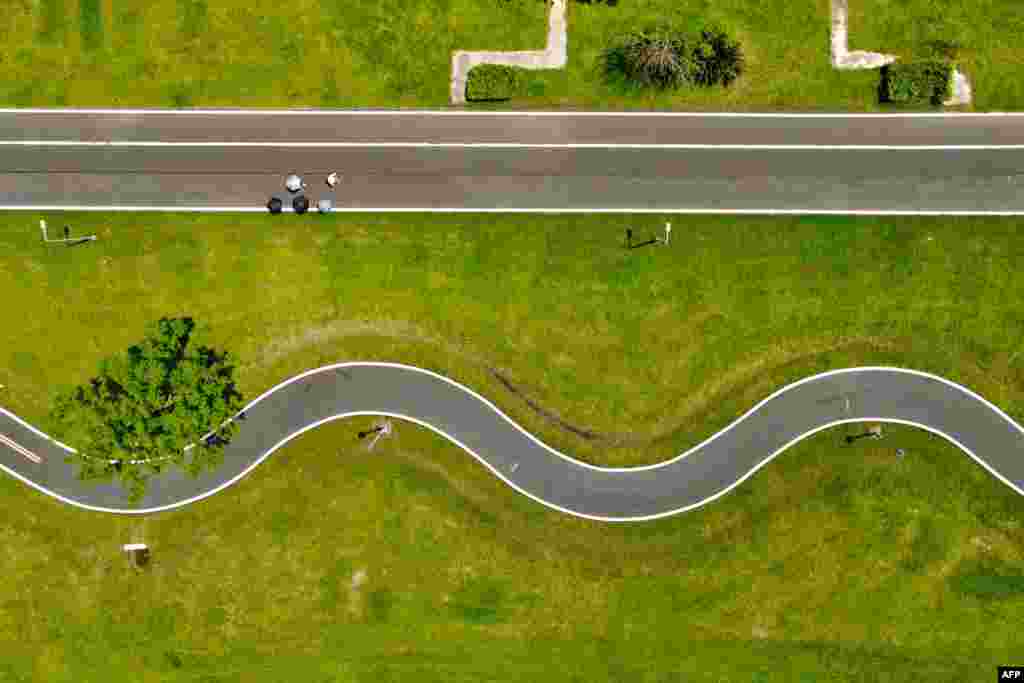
698, 476
538, 161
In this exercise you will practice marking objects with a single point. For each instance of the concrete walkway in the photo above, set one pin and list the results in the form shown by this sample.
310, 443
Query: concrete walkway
843, 58
554, 56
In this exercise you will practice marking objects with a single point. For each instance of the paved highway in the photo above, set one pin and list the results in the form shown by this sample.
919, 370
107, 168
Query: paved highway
698, 476
539, 161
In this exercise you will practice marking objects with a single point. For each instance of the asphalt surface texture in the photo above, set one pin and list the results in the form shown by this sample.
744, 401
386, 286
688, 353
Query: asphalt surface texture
238, 160
699, 476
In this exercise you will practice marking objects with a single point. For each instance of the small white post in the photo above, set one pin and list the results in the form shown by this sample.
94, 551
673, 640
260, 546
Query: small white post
139, 553
668, 229
42, 226
385, 431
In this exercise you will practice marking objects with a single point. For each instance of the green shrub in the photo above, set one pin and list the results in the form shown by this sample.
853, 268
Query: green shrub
491, 82
918, 82
717, 57
663, 58
655, 58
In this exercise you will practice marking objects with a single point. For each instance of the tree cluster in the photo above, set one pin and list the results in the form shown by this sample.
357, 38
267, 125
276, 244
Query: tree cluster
136, 417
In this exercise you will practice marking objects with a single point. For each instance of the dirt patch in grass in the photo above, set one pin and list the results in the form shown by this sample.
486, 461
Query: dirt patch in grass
747, 379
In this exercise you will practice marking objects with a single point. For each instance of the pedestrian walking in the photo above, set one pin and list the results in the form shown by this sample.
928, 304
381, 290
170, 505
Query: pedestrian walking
629, 237
67, 232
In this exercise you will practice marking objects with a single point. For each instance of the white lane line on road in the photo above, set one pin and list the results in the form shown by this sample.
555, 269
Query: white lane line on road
638, 210
7, 441
532, 114
497, 145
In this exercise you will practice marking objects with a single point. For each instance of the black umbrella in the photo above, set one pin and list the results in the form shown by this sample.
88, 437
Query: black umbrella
274, 205
300, 204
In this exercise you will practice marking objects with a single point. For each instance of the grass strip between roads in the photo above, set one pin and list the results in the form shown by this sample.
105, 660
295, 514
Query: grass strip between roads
331, 563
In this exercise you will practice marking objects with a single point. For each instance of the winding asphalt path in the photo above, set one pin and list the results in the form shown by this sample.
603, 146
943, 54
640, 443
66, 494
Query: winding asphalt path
515, 161
697, 477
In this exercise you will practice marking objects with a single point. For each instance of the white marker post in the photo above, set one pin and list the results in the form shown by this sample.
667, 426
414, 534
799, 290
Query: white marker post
139, 553
668, 229
42, 226
385, 431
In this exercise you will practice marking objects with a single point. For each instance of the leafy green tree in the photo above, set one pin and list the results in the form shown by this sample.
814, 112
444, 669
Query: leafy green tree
144, 408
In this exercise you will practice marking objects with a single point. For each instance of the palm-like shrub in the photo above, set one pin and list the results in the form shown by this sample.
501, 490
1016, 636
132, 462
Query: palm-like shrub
717, 57
657, 59
663, 58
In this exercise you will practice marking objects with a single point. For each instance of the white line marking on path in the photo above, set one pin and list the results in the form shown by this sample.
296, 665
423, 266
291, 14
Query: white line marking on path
18, 448
637, 210
499, 145
457, 112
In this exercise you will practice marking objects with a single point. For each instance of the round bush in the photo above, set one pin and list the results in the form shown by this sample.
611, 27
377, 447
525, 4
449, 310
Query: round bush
491, 83
917, 82
717, 57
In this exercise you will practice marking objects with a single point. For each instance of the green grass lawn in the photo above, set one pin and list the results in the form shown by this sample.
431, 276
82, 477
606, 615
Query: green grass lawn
398, 53
256, 53
414, 563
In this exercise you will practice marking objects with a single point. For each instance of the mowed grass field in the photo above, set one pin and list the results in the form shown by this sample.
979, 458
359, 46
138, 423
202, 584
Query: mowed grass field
331, 563
257, 53
394, 53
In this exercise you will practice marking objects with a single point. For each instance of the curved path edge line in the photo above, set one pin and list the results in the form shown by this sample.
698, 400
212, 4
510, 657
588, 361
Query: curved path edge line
578, 463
